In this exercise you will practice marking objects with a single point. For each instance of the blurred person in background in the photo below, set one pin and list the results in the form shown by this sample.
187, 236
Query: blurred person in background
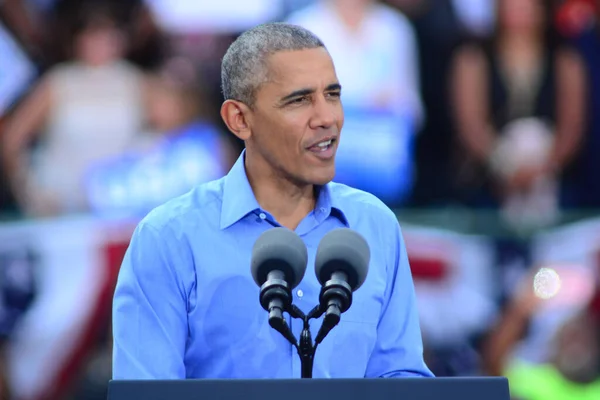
178, 102
82, 111
519, 106
573, 366
182, 147
374, 48
146, 44
17, 73
203, 30
583, 185
41, 26
439, 31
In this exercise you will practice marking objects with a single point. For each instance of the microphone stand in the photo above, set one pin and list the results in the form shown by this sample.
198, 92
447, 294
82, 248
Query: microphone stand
306, 349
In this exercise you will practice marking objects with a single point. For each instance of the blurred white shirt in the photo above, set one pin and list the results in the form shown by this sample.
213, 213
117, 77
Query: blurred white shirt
377, 65
96, 114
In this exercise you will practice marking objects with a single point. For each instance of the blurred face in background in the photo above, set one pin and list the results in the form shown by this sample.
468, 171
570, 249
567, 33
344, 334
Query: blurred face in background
171, 105
101, 42
577, 349
522, 17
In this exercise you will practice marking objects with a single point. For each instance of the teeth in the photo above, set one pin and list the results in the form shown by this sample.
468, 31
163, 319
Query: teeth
324, 144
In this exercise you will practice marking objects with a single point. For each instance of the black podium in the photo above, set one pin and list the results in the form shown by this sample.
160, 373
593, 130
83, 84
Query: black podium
483, 388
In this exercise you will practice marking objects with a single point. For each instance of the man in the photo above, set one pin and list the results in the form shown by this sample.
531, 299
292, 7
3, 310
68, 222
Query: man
186, 305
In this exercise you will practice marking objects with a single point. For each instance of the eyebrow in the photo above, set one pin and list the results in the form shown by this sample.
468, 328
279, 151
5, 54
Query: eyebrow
304, 92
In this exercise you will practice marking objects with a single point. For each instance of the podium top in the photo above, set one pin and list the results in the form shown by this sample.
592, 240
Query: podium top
488, 388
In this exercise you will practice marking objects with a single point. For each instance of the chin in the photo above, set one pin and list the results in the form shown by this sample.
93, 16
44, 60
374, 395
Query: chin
322, 177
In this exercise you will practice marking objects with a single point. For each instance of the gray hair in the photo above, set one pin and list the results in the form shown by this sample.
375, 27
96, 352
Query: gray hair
244, 66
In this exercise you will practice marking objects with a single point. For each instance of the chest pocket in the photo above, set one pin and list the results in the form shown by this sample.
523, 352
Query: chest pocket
357, 329
368, 300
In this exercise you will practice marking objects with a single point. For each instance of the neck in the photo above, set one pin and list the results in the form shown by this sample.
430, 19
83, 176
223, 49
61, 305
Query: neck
286, 201
519, 42
520, 51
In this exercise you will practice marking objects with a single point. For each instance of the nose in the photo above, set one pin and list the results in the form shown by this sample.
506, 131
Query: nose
325, 114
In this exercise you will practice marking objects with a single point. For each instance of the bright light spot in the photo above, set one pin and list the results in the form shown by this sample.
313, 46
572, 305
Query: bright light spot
546, 283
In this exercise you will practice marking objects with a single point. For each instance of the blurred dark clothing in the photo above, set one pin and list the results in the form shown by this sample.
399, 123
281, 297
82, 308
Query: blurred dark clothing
8, 204
507, 104
17, 288
460, 360
439, 32
582, 179
541, 102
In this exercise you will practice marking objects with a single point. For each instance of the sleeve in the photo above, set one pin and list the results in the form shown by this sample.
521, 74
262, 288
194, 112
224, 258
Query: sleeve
398, 350
150, 325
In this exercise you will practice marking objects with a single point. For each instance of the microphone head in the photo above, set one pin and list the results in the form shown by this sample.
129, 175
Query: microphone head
279, 249
343, 250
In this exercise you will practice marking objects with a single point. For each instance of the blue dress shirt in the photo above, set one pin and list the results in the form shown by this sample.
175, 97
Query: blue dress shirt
186, 305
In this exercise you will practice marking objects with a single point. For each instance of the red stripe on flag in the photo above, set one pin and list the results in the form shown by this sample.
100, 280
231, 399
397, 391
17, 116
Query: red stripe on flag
113, 255
431, 269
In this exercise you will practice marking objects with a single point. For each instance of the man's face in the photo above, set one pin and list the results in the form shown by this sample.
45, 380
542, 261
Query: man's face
297, 117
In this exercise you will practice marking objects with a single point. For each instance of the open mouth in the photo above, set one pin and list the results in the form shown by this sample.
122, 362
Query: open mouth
323, 146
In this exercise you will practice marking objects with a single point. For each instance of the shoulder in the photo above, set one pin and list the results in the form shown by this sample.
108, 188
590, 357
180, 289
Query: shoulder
61, 70
189, 210
358, 204
131, 74
128, 67
372, 218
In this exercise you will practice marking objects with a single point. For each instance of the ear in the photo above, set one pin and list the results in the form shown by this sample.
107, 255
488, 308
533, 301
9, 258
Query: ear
235, 114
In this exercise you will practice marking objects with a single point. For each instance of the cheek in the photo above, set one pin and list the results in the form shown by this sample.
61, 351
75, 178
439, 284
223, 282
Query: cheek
288, 132
340, 120
278, 142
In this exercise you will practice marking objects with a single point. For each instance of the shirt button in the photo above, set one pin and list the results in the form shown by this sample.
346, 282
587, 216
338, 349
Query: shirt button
262, 216
323, 209
300, 293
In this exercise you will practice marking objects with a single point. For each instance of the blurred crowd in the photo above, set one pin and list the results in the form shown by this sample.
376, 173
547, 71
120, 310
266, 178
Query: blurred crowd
110, 107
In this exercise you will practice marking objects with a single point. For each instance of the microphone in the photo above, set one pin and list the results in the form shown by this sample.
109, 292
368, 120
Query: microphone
279, 259
341, 266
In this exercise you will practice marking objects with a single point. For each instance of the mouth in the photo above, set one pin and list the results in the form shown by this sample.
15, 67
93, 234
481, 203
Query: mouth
324, 150
323, 145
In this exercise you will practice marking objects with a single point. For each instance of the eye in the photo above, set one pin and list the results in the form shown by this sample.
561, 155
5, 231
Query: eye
298, 100
334, 94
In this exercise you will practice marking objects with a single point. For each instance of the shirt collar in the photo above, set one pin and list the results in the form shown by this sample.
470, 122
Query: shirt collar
239, 199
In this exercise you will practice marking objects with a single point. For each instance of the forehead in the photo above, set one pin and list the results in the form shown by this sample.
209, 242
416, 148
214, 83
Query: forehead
301, 69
